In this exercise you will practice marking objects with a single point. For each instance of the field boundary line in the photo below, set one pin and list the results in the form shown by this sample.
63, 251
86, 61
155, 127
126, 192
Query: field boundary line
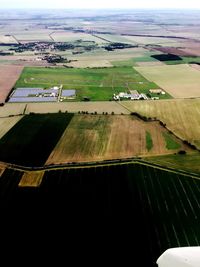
120, 104
82, 165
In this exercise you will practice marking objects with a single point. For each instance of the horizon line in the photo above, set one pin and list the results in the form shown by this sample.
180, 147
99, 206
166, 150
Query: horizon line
103, 8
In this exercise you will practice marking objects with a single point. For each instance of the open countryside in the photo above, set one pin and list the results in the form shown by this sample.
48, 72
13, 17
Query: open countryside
85, 138
100, 118
94, 84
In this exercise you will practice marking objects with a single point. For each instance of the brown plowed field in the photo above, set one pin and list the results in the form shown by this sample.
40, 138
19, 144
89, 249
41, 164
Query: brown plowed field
175, 51
192, 48
8, 77
195, 66
101, 137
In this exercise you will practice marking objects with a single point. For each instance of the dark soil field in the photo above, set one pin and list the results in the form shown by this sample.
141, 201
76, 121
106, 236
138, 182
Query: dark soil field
166, 57
31, 140
152, 208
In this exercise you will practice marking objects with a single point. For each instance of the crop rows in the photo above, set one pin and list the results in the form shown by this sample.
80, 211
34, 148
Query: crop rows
160, 209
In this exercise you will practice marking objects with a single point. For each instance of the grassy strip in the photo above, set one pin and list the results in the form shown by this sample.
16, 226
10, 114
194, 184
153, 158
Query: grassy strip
149, 141
188, 162
170, 142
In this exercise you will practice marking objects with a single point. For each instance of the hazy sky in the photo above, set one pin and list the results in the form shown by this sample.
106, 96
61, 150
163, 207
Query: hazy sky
100, 4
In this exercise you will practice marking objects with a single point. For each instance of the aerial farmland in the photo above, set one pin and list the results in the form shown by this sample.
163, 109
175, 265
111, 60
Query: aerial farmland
183, 83
99, 118
94, 84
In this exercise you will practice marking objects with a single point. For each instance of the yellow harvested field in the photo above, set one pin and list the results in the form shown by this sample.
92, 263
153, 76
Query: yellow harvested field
33, 35
90, 63
63, 36
12, 109
2, 169
180, 81
99, 107
7, 123
116, 55
149, 40
177, 44
101, 137
115, 38
31, 179
21, 57
182, 116
7, 39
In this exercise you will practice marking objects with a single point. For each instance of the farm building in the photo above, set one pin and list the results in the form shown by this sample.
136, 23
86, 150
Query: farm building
32, 99
157, 91
68, 94
124, 95
33, 95
133, 95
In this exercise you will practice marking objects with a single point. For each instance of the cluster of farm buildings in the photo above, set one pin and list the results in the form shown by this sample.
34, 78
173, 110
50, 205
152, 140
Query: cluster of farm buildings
54, 94
58, 94
135, 95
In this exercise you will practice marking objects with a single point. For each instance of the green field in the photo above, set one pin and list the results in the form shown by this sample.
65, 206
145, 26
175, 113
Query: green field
31, 140
185, 60
133, 61
170, 142
149, 141
96, 84
188, 162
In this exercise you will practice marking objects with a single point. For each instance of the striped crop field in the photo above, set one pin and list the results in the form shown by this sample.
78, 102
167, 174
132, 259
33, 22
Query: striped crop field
160, 209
